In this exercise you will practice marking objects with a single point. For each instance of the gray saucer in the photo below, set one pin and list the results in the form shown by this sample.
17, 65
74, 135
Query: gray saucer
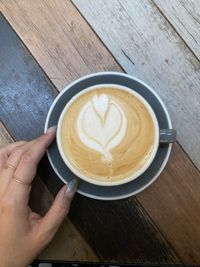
158, 164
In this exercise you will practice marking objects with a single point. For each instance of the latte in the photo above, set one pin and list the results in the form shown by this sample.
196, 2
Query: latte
107, 134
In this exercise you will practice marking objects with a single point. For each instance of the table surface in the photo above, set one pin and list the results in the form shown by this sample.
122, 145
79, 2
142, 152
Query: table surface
44, 45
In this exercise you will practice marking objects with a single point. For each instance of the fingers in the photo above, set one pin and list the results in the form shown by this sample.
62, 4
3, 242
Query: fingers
27, 166
26, 169
6, 151
10, 165
58, 211
8, 148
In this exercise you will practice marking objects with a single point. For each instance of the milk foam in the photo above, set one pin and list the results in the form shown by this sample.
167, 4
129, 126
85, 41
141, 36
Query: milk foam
107, 135
101, 125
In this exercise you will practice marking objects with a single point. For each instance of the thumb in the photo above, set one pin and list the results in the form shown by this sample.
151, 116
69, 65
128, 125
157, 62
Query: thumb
59, 209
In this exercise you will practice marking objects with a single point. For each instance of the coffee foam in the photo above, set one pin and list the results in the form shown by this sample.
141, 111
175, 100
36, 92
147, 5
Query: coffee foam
101, 125
107, 134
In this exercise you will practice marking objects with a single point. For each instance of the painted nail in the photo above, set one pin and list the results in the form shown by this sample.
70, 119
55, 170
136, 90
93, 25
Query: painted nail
72, 187
51, 129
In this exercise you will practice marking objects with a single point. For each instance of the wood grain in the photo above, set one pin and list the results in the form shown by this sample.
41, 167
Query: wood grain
146, 46
138, 223
32, 22
123, 231
5, 137
68, 243
184, 16
64, 51
21, 73
174, 204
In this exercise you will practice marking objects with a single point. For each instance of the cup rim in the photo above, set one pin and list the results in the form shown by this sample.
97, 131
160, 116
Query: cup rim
137, 173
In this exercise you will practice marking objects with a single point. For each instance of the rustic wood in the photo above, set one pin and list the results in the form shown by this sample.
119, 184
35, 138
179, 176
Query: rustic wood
22, 81
174, 204
68, 244
146, 46
184, 17
121, 231
137, 221
30, 22
5, 137
64, 51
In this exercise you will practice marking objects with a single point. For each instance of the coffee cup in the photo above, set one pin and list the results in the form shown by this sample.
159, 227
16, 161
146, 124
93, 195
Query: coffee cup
108, 134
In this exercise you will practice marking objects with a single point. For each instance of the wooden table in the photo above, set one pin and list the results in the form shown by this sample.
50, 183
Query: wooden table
44, 45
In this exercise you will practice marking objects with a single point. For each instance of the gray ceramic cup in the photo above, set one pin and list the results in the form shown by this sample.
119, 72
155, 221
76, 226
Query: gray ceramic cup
167, 135
161, 136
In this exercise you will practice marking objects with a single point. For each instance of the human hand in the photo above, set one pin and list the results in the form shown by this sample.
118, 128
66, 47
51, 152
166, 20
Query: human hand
23, 233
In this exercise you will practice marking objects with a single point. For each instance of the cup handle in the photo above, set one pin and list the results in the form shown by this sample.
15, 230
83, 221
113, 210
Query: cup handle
167, 136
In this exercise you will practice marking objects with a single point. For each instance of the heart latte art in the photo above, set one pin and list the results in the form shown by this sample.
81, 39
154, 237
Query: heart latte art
107, 134
101, 125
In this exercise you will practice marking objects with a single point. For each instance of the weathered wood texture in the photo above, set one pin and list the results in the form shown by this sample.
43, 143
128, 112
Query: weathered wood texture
26, 94
121, 231
152, 247
64, 50
5, 137
146, 46
68, 243
184, 16
28, 22
174, 204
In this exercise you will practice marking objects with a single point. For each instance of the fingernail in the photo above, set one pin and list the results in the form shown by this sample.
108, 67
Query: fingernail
51, 129
72, 187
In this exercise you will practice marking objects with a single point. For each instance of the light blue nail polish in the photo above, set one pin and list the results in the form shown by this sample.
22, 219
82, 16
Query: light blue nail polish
72, 187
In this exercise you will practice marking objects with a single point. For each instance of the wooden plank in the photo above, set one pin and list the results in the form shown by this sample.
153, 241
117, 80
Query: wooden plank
65, 50
22, 81
138, 223
146, 46
121, 231
174, 204
68, 244
184, 17
5, 137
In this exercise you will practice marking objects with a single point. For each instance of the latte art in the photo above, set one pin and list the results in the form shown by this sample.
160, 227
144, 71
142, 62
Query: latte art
101, 125
107, 134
